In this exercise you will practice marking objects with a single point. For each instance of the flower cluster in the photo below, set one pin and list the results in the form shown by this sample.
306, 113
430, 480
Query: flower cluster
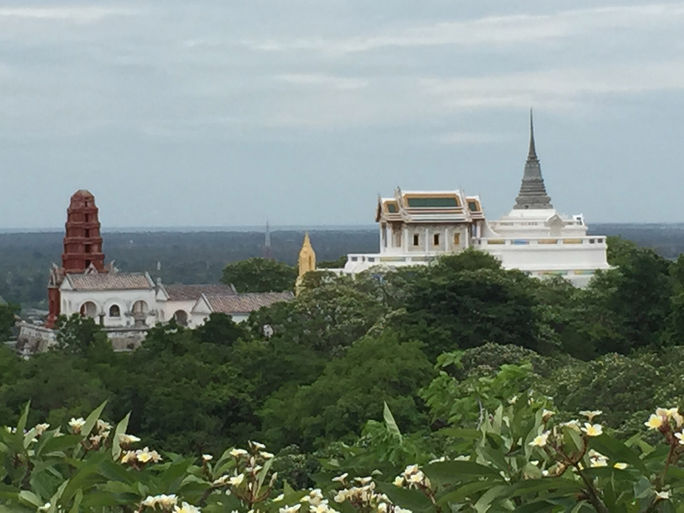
139, 458
360, 493
667, 421
245, 480
412, 477
165, 502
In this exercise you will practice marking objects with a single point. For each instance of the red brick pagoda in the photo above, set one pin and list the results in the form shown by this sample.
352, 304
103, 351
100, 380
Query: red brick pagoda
82, 248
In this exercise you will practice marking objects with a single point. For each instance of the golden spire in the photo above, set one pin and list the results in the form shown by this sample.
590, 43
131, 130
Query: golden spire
306, 262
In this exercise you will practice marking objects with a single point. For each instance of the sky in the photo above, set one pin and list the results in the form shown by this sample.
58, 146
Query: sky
227, 113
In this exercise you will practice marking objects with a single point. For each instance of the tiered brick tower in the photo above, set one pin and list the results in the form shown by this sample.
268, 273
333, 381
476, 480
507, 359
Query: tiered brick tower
82, 247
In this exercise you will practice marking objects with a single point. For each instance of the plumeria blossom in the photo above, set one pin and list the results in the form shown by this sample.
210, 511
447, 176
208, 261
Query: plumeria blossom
540, 440
654, 421
256, 445
592, 429
572, 424
236, 480
76, 424
207, 457
680, 437
341, 478
662, 495
266, 455
41, 428
186, 508
620, 465
590, 414
238, 453
126, 439
146, 455
290, 509
163, 501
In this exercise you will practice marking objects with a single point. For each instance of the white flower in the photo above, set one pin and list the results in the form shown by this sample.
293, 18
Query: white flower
620, 466
186, 508
340, 478
45, 507
572, 424
382, 507
363, 480
41, 428
398, 481
547, 414
290, 509
590, 414
279, 498
592, 429
341, 496
236, 453
654, 421
126, 439
76, 424
540, 440
680, 436
256, 445
662, 495
237, 480
207, 457
146, 455
266, 455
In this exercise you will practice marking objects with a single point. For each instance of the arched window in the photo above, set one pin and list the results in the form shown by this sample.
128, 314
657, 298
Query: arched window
114, 311
181, 317
89, 309
140, 307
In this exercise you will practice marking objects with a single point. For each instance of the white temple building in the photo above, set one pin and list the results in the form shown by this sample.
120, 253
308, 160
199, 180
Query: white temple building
418, 226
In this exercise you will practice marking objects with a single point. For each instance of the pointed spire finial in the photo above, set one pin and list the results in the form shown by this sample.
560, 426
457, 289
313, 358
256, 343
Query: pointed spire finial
532, 154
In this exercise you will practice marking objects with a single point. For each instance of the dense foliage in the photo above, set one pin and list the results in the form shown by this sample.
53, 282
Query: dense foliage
446, 348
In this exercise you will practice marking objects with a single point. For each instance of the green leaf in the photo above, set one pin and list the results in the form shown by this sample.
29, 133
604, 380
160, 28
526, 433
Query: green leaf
407, 499
30, 498
445, 472
21, 425
616, 451
120, 430
390, 422
92, 419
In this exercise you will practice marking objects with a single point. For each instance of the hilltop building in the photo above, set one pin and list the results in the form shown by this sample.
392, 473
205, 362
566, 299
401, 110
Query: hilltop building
125, 304
418, 226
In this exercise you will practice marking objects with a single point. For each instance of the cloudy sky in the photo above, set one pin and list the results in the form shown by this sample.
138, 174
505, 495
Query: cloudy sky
177, 113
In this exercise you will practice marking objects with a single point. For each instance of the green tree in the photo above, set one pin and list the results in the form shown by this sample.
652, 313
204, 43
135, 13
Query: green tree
219, 328
82, 336
259, 275
448, 308
8, 314
350, 390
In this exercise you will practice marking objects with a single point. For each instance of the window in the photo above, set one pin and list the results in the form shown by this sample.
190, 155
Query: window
416, 239
114, 311
88, 248
87, 233
457, 239
435, 239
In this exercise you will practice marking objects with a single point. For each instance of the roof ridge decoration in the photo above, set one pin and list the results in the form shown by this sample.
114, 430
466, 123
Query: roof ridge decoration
532, 193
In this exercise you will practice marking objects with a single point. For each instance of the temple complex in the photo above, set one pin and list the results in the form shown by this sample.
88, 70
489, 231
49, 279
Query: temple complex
418, 226
125, 304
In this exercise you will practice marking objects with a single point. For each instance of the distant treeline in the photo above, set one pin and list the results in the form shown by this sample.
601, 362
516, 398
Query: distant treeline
199, 257
183, 257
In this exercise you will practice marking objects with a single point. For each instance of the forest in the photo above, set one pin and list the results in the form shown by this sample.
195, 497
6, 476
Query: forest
200, 256
474, 374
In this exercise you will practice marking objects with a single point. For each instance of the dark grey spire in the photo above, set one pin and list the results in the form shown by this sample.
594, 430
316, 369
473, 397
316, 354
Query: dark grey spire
532, 190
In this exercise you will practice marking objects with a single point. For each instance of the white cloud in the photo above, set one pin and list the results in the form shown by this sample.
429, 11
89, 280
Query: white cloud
559, 89
467, 138
323, 81
491, 30
76, 14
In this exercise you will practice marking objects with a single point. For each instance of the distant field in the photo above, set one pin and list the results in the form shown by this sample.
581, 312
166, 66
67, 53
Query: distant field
199, 256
